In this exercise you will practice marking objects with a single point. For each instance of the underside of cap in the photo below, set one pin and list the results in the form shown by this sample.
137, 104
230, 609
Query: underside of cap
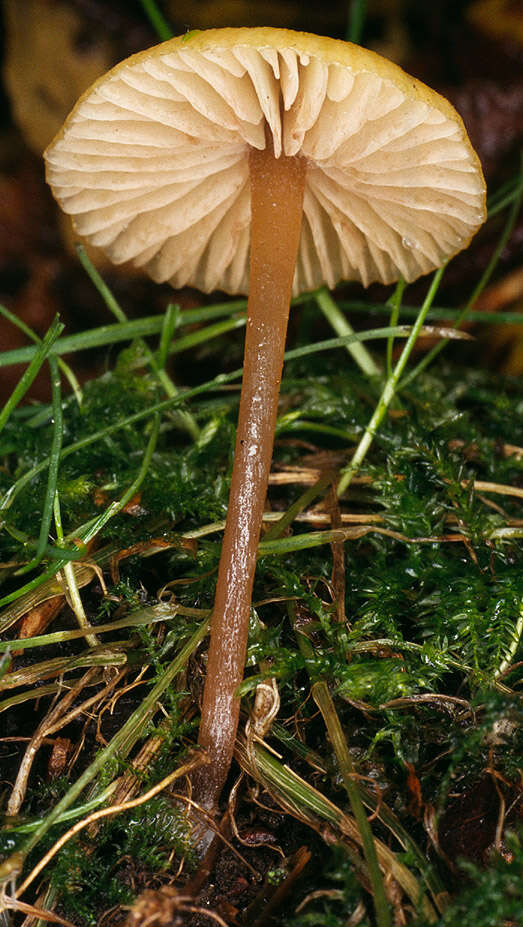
152, 164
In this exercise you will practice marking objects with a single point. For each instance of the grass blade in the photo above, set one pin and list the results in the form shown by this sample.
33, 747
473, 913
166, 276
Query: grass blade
478, 289
323, 699
119, 747
29, 375
390, 388
54, 461
339, 323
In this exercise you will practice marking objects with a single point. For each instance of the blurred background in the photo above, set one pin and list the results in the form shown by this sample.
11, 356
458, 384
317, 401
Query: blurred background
52, 50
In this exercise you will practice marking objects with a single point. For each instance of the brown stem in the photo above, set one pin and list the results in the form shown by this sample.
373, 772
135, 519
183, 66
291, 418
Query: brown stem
277, 186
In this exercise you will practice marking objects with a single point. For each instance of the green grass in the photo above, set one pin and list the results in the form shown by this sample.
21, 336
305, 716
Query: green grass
116, 494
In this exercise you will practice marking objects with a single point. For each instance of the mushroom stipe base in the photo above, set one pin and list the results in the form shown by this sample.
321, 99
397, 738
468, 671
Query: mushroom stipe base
277, 188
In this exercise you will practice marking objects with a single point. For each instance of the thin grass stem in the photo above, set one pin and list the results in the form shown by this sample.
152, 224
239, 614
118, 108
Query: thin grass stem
159, 358
505, 195
75, 599
29, 826
185, 418
65, 368
323, 699
293, 422
307, 803
373, 802
52, 473
157, 20
134, 328
106, 812
32, 584
356, 23
96, 278
339, 323
30, 373
478, 289
437, 313
390, 387
144, 616
95, 526
131, 491
5, 661
152, 325
400, 331
117, 749
216, 383
277, 529
395, 304
171, 320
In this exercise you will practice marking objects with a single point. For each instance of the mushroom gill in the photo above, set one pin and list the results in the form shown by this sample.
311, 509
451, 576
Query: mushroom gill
154, 163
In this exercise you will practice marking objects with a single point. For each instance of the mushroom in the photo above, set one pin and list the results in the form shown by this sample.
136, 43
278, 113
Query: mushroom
270, 162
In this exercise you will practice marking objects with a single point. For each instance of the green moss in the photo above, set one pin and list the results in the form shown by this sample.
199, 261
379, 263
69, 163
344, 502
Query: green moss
492, 896
427, 616
91, 877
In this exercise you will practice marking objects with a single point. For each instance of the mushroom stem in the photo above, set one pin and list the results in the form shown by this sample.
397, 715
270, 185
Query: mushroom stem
277, 187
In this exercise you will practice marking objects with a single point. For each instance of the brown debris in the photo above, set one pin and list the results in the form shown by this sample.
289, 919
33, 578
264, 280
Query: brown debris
57, 762
40, 617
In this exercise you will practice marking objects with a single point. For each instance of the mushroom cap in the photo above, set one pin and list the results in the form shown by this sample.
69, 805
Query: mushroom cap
153, 165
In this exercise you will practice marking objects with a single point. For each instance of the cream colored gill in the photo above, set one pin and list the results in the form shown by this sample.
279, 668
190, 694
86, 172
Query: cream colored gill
152, 164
